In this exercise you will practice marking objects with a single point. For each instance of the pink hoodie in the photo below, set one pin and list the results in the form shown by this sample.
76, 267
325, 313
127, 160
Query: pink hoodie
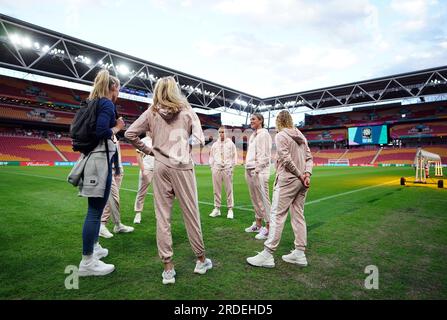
173, 135
294, 155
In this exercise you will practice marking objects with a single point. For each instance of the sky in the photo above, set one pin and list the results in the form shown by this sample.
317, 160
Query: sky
261, 47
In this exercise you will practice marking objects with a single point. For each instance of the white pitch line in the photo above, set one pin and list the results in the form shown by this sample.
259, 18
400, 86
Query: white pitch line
238, 208
125, 189
350, 192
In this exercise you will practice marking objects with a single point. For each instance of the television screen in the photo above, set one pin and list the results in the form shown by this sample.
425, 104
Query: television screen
368, 135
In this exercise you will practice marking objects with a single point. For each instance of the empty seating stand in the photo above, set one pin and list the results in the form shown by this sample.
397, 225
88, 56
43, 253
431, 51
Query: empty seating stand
26, 149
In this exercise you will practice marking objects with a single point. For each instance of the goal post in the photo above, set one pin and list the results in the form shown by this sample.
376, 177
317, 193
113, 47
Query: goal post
338, 162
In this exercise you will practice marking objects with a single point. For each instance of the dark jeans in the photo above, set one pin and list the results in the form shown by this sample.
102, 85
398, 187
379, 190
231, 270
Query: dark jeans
92, 223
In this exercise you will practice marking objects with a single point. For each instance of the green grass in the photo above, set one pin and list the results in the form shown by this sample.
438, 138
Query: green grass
401, 230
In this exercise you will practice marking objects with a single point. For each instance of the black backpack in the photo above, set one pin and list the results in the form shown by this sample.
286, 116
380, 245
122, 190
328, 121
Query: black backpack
83, 127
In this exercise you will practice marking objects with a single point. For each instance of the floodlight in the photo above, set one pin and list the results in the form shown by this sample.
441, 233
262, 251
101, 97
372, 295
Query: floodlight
122, 69
26, 42
15, 39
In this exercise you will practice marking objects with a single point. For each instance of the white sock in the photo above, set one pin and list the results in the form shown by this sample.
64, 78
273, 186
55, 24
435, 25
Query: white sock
87, 259
267, 254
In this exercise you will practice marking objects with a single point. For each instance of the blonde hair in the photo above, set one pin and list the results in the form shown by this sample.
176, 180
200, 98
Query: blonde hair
102, 85
284, 120
168, 95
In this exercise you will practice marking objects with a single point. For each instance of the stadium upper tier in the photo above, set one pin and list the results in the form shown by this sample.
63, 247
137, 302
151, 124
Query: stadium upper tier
56, 96
31, 101
389, 115
326, 135
419, 130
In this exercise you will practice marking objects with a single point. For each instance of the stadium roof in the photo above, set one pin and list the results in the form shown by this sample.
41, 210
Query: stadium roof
30, 48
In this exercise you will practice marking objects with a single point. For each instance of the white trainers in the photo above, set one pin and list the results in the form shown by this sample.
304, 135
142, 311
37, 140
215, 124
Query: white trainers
296, 257
215, 213
253, 228
263, 234
137, 219
94, 267
99, 252
262, 259
121, 228
168, 276
230, 214
104, 232
203, 267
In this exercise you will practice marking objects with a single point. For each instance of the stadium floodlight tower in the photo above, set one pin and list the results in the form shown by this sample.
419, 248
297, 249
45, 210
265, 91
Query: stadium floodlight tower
424, 158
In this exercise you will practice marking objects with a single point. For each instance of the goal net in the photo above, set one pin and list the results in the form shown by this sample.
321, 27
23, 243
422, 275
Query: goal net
338, 162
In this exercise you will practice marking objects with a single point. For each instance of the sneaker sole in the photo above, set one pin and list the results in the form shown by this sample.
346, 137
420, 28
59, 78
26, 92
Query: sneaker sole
95, 273
269, 266
172, 281
202, 272
106, 236
295, 263
122, 231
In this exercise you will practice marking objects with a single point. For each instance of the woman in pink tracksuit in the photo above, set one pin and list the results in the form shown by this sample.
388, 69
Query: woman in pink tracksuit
174, 127
294, 168
257, 174
146, 164
223, 158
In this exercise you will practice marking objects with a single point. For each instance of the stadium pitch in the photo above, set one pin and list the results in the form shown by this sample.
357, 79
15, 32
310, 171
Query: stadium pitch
356, 218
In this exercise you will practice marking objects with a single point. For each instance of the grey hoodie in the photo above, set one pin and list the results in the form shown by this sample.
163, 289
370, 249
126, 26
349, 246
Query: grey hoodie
172, 133
293, 153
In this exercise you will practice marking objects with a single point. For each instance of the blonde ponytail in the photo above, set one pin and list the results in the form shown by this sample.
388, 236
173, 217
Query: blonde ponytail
102, 85
168, 95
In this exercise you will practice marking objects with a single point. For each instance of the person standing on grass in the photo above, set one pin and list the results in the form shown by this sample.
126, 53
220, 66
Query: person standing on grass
113, 204
98, 174
293, 171
174, 128
223, 158
146, 164
257, 173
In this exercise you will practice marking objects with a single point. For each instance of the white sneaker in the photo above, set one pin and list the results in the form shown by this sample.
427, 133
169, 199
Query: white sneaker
137, 219
168, 276
94, 267
104, 232
203, 267
262, 259
121, 228
230, 214
296, 257
215, 213
253, 228
99, 252
263, 234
